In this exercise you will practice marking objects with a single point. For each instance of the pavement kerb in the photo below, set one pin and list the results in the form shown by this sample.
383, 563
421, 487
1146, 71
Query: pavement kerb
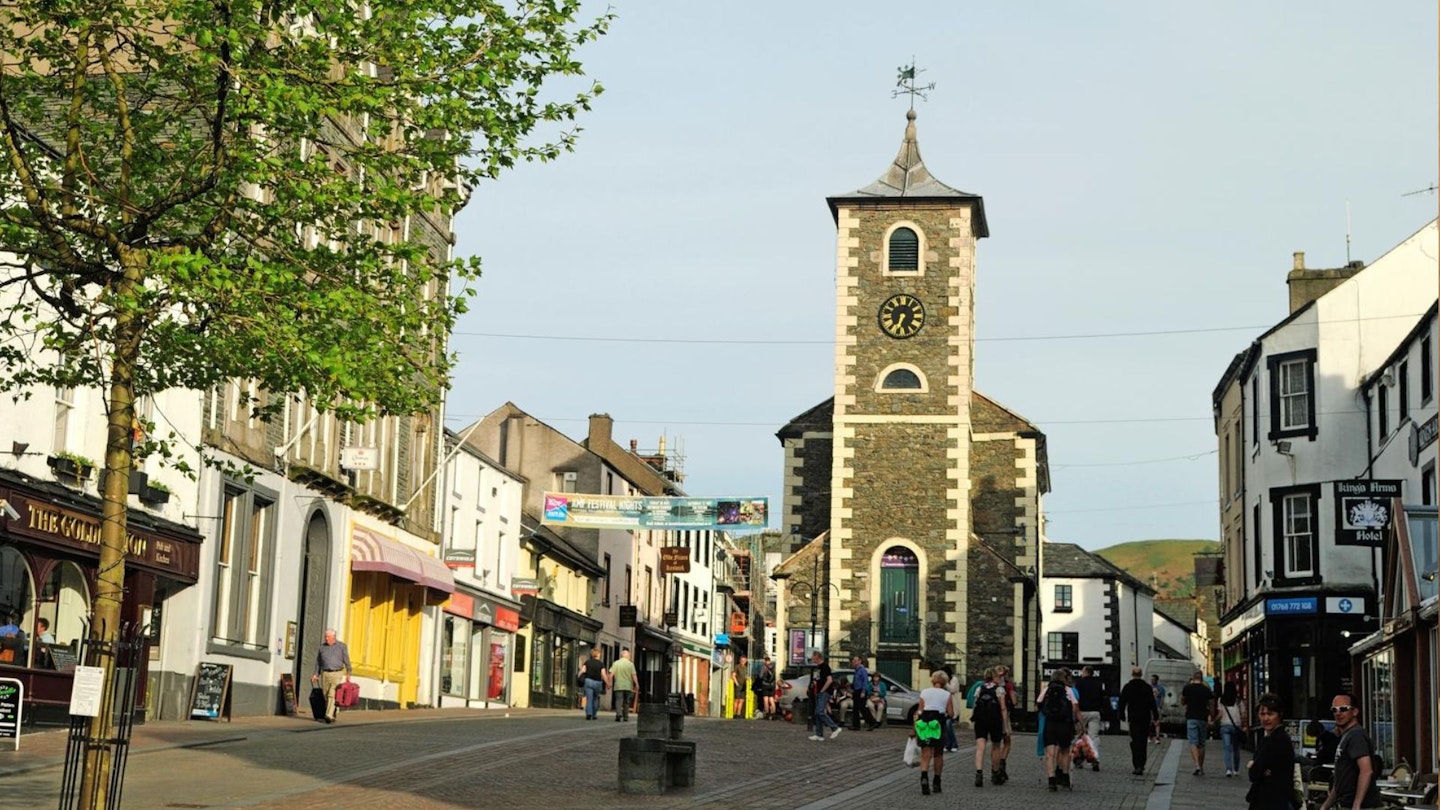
245, 728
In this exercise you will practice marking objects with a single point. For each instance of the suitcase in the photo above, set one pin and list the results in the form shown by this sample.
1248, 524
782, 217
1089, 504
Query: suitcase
347, 695
317, 703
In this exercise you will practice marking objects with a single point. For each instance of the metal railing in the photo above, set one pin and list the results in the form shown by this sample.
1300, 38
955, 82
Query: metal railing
87, 756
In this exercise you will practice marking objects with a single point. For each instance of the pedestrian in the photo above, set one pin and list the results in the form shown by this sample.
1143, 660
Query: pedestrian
1199, 712
1137, 706
1272, 770
860, 686
952, 684
765, 689
878, 709
1002, 675
592, 679
43, 658
12, 640
739, 684
622, 683
1061, 713
992, 722
1159, 691
1353, 783
1091, 690
1234, 724
821, 685
332, 668
937, 707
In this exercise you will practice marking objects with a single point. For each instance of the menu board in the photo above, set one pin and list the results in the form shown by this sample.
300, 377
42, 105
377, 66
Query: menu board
12, 694
209, 698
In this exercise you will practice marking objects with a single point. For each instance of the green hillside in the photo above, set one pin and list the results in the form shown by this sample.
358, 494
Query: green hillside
1166, 565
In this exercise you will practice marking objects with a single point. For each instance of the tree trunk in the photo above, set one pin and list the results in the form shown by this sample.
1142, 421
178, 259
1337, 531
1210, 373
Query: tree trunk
115, 488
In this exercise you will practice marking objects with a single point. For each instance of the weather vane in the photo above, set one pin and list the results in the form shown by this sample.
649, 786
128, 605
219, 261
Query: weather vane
907, 86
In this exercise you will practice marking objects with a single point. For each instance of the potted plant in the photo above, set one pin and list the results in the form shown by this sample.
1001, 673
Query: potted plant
155, 493
71, 468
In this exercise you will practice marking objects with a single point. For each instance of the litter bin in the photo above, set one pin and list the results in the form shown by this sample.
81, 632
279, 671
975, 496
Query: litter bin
689, 702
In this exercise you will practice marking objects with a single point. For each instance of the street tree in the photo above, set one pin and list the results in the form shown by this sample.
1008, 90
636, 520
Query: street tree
196, 191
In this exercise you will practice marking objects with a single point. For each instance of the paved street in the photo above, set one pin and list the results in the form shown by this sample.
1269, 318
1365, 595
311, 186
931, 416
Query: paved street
545, 759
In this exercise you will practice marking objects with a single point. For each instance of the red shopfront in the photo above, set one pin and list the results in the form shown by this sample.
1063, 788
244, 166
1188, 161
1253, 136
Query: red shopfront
48, 560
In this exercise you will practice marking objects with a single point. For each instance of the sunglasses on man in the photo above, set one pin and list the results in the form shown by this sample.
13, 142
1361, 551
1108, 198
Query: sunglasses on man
1340, 709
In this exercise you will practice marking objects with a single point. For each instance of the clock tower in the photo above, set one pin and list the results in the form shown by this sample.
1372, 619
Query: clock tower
912, 575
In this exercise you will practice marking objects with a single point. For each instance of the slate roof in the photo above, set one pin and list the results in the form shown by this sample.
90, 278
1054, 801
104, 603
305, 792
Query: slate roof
907, 178
1069, 560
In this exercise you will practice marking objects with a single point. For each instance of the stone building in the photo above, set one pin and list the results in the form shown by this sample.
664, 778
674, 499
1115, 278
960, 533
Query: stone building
929, 491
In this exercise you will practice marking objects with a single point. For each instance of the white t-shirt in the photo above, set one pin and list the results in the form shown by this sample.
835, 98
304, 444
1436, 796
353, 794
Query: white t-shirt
934, 699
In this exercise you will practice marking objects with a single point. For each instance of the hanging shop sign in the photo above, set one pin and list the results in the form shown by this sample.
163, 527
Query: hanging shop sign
1363, 513
617, 511
1422, 436
674, 560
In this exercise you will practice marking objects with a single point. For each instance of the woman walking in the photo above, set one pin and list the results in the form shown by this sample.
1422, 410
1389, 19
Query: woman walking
592, 678
937, 707
1272, 771
1234, 722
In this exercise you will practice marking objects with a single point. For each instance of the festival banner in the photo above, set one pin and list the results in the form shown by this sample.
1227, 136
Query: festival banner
582, 510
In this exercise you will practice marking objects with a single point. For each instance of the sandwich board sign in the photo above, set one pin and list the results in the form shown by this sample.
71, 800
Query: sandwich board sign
12, 702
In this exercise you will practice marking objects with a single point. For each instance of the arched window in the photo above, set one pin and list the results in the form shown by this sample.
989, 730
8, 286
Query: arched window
65, 607
899, 596
903, 251
901, 379
16, 607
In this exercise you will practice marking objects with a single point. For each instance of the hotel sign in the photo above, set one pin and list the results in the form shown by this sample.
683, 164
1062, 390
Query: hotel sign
66, 528
1363, 511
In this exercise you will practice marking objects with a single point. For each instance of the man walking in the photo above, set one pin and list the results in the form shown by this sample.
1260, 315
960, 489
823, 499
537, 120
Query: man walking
1199, 711
860, 696
1002, 675
1353, 784
622, 683
1092, 700
820, 685
1137, 706
332, 668
1159, 691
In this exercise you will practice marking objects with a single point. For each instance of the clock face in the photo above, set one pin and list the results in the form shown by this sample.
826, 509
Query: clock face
901, 316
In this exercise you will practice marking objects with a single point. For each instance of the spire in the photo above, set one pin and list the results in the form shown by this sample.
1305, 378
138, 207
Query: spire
908, 171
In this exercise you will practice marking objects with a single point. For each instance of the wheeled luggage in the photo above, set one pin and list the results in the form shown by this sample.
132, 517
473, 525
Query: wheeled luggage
317, 703
347, 695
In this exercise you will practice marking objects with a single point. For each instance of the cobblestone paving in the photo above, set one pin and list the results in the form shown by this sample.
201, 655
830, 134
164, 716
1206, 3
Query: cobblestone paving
555, 760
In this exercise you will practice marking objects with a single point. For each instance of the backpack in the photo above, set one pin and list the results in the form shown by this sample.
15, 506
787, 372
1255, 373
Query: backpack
987, 705
1056, 704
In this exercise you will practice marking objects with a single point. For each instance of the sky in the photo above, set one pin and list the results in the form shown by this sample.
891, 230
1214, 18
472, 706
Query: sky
1148, 169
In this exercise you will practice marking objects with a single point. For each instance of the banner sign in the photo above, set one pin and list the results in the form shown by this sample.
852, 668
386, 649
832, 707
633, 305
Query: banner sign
623, 512
1363, 516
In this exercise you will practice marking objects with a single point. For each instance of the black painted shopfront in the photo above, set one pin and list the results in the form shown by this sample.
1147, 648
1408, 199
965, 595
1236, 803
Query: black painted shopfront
48, 560
558, 637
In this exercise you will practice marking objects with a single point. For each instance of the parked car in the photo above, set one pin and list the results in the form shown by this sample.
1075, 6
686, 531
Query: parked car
898, 697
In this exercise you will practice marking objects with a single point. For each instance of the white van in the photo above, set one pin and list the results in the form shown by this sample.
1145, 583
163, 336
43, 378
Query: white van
1174, 675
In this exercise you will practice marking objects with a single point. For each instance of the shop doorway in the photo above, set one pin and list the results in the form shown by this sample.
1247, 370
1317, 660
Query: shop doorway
314, 595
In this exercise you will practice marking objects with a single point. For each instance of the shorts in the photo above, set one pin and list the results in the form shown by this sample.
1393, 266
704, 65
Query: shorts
1060, 733
1196, 731
761, 692
991, 730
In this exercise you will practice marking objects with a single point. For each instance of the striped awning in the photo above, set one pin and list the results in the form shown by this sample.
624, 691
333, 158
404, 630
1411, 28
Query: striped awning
371, 552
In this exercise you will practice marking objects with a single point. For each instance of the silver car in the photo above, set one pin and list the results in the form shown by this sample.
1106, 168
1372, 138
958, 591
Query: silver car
898, 697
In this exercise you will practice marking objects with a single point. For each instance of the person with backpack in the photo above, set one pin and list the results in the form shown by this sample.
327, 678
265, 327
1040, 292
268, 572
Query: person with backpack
1061, 712
991, 719
1002, 676
936, 708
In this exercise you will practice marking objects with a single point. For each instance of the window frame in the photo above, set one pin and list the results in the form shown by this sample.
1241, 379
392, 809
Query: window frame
1057, 643
1274, 365
1382, 411
920, 243
895, 368
1065, 604
1285, 573
1427, 371
1402, 391
244, 572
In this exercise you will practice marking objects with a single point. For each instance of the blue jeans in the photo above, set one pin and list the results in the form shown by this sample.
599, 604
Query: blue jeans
592, 696
1230, 736
822, 714
950, 740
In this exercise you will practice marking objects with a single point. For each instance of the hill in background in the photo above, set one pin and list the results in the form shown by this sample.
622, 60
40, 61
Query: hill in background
1168, 566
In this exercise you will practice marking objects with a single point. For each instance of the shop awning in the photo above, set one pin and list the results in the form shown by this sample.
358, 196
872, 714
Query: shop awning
371, 552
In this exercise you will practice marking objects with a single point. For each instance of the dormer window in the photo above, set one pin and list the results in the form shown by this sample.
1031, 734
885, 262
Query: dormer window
903, 251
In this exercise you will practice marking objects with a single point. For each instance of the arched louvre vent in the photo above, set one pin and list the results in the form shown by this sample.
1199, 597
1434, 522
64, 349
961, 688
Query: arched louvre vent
901, 378
904, 250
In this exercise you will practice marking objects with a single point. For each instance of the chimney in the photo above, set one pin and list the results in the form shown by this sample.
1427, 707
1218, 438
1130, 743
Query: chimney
634, 446
1307, 284
600, 426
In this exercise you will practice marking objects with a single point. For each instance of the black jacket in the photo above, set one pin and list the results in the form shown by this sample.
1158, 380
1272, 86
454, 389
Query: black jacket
1137, 703
1272, 774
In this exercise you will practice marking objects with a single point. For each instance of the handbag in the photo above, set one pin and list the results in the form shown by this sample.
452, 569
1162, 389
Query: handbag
912, 753
580, 680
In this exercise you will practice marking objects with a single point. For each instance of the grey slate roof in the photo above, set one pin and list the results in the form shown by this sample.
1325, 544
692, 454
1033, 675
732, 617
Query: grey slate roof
907, 178
1069, 560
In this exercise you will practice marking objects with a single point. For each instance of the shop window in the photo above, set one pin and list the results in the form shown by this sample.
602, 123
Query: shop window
454, 655
1063, 646
64, 604
559, 666
15, 602
243, 570
495, 681
539, 662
